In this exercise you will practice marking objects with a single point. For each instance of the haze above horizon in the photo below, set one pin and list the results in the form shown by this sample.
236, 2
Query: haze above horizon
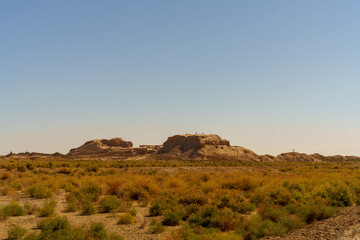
266, 75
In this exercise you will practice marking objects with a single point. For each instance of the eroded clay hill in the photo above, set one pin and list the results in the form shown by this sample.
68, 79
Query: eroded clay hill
104, 148
302, 157
204, 147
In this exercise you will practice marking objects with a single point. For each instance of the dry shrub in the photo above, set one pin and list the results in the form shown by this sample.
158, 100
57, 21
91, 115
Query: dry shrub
6, 175
126, 218
114, 186
141, 189
241, 183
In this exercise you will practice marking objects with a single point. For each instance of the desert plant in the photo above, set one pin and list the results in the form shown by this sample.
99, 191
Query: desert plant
126, 218
11, 210
92, 191
48, 208
6, 175
98, 231
40, 191
155, 227
157, 208
59, 228
16, 232
109, 204
88, 208
30, 208
171, 218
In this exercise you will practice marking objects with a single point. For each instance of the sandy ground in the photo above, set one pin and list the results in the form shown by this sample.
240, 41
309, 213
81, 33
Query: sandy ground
133, 231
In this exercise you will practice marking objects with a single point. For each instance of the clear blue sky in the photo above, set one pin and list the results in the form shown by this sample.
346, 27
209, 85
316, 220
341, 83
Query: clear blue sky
267, 75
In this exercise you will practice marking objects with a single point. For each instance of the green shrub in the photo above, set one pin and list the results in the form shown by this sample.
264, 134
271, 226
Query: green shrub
156, 227
133, 211
21, 168
126, 218
338, 195
92, 191
312, 213
98, 231
16, 232
72, 203
11, 210
30, 208
88, 208
48, 208
40, 191
109, 204
59, 228
53, 224
280, 196
157, 208
171, 218
206, 217
30, 166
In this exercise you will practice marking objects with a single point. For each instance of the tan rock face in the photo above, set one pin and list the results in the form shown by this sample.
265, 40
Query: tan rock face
203, 146
101, 146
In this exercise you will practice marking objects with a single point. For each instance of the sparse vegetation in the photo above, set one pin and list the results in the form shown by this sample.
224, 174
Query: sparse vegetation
126, 218
109, 204
262, 202
16, 232
48, 208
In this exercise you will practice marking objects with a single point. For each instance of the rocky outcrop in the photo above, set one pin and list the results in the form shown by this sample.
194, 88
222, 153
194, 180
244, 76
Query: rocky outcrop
151, 148
33, 155
104, 147
204, 147
303, 157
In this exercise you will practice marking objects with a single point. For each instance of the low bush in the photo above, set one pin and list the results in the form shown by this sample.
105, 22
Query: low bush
72, 203
155, 227
40, 191
92, 191
109, 204
88, 208
59, 228
113, 187
98, 231
11, 210
126, 218
16, 232
48, 208
157, 208
6, 175
30, 208
171, 218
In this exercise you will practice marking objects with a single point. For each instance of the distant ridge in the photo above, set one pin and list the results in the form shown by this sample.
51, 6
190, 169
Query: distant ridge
185, 146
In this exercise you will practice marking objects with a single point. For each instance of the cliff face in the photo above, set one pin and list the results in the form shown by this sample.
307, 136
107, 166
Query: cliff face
108, 148
204, 146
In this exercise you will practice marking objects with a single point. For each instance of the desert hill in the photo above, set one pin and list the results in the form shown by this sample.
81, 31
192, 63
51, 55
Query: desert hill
186, 146
113, 147
204, 147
